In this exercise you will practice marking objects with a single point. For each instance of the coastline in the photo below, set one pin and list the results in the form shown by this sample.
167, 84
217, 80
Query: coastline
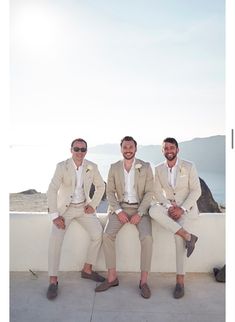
37, 202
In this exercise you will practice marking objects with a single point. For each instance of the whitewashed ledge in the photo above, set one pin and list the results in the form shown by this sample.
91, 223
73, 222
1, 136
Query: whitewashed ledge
29, 235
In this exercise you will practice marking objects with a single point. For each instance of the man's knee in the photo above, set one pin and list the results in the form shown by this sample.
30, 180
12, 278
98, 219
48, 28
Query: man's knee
156, 210
96, 238
147, 240
108, 237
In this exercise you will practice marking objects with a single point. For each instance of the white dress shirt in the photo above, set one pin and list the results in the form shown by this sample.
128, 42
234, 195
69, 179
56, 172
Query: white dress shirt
130, 195
172, 174
172, 179
78, 195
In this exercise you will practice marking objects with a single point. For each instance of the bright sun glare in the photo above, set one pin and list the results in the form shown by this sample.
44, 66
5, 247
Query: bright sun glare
35, 28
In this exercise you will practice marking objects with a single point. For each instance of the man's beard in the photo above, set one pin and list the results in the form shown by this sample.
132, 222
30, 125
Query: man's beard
170, 158
129, 157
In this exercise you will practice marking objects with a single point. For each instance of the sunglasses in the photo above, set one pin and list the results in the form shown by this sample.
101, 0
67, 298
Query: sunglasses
76, 149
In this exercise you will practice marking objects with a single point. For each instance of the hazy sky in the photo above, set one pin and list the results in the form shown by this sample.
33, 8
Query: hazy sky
103, 69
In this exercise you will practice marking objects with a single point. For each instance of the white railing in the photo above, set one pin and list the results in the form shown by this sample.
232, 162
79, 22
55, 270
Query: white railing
29, 235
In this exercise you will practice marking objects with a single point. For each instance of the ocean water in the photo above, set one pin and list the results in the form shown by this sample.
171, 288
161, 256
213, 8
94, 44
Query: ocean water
32, 167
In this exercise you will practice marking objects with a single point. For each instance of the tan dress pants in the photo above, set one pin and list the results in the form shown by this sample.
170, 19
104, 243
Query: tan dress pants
89, 222
145, 235
160, 214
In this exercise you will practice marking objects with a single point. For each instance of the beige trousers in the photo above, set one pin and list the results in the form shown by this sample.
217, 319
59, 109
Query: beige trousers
89, 222
160, 214
145, 235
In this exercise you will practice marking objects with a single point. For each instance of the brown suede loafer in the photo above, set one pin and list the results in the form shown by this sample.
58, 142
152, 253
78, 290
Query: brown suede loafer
94, 276
106, 285
145, 290
178, 291
52, 291
190, 244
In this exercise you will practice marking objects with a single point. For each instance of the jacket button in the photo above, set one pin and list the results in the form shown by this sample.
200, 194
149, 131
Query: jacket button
66, 206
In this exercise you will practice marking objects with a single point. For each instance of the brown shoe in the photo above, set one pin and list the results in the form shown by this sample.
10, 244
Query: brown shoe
106, 285
190, 244
52, 291
145, 290
94, 276
178, 291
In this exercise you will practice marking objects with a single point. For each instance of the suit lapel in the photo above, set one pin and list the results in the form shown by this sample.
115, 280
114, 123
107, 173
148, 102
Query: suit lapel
121, 175
85, 163
84, 175
72, 172
137, 174
178, 171
165, 175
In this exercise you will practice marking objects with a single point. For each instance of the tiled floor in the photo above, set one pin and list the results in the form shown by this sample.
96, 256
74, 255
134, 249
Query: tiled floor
204, 299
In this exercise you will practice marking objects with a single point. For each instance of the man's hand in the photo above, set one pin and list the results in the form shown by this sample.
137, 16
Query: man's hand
175, 212
89, 210
135, 219
59, 222
123, 218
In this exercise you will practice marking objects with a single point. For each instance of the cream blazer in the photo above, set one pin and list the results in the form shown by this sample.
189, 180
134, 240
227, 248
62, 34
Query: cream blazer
187, 189
63, 183
143, 186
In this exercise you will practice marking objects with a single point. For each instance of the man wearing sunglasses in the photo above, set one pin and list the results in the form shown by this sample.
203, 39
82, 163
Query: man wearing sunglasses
69, 199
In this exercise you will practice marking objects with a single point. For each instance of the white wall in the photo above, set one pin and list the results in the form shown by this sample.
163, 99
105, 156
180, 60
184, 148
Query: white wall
29, 235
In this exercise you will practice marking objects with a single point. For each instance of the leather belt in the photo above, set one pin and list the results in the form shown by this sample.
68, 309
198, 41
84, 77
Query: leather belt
171, 200
76, 204
131, 203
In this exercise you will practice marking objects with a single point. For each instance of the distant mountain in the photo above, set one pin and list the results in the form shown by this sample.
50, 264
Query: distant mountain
208, 153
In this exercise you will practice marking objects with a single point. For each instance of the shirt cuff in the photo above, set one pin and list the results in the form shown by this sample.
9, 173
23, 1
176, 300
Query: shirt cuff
168, 206
184, 209
118, 211
53, 215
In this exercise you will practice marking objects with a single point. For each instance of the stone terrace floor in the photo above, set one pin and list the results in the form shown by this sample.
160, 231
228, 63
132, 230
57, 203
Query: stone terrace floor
204, 299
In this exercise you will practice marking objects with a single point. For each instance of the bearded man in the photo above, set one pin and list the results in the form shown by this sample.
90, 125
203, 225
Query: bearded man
177, 189
129, 193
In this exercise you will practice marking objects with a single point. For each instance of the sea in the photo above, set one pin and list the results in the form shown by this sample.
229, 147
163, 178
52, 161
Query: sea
32, 167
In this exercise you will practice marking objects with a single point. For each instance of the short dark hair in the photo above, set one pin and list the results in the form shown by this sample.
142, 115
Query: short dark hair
78, 140
171, 140
128, 138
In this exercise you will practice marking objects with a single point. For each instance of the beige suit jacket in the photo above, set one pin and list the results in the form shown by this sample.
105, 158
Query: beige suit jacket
187, 189
143, 186
63, 183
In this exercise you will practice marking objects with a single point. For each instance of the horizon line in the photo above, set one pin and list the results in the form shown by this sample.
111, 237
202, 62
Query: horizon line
108, 143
